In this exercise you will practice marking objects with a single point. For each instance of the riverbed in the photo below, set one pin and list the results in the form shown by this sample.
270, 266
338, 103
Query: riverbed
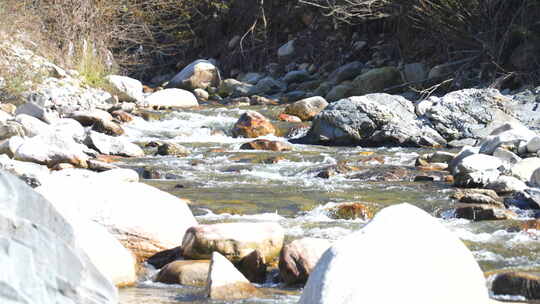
226, 184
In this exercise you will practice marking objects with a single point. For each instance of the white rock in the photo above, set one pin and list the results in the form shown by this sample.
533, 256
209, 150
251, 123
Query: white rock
50, 149
507, 156
478, 162
402, 256
143, 218
126, 88
10, 145
199, 74
510, 137
225, 282
465, 152
40, 259
113, 145
69, 127
525, 168
121, 174
507, 184
287, 49
535, 178
533, 145
40, 112
27, 171
172, 98
32, 126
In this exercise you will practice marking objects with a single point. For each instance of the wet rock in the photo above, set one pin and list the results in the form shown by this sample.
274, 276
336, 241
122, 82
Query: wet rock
453, 275
340, 168
122, 116
517, 284
125, 88
376, 80
260, 101
307, 108
298, 258
371, 120
525, 168
233, 240
346, 72
190, 273
50, 149
48, 248
171, 98
172, 149
475, 212
469, 113
253, 267
108, 127
199, 74
226, 283
289, 118
351, 211
106, 144
122, 207
424, 178
265, 144
252, 124
526, 199
164, 257
239, 102
478, 197
88, 118
506, 184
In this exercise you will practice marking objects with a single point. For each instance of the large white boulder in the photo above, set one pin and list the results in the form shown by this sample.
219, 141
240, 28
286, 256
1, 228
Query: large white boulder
40, 259
524, 168
403, 255
125, 88
172, 98
144, 219
200, 74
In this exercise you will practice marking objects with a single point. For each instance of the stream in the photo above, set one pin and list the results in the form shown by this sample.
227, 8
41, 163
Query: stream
226, 184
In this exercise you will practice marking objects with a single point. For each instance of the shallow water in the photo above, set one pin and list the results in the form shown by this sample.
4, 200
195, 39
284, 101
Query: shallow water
226, 184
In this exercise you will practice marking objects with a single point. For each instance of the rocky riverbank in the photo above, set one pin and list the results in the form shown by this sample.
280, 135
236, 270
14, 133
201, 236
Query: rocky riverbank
101, 225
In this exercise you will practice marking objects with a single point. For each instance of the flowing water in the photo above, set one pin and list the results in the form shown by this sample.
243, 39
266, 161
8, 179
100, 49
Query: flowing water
226, 184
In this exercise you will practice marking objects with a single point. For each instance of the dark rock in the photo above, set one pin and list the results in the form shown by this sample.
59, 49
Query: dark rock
172, 149
526, 199
346, 72
253, 267
164, 257
483, 212
298, 258
517, 284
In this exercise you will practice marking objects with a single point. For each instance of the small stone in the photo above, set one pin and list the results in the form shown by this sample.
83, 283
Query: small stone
108, 127
307, 108
483, 212
351, 211
289, 118
122, 116
172, 149
265, 144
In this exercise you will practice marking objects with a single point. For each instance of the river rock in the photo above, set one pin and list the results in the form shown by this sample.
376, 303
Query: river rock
252, 124
346, 72
351, 211
31, 173
121, 116
31, 125
253, 267
533, 145
506, 156
39, 109
171, 98
267, 86
469, 113
483, 212
376, 80
296, 76
50, 149
122, 207
41, 262
233, 240
10, 145
225, 282
88, 118
251, 78
526, 199
535, 178
517, 284
307, 108
509, 138
125, 88
339, 92
11, 128
525, 168
289, 118
233, 87
172, 149
199, 74
162, 258
106, 144
371, 120
69, 127
191, 273
298, 258
436, 265
506, 184
476, 171
265, 144
108, 127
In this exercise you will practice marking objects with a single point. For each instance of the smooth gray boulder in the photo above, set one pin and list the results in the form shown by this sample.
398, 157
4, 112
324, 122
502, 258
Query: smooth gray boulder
477, 171
346, 72
31, 125
371, 120
112, 145
268, 85
171, 98
126, 88
200, 74
40, 260
403, 249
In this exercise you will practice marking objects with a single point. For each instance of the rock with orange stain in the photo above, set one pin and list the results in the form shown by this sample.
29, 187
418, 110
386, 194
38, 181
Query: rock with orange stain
289, 118
253, 124
265, 144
